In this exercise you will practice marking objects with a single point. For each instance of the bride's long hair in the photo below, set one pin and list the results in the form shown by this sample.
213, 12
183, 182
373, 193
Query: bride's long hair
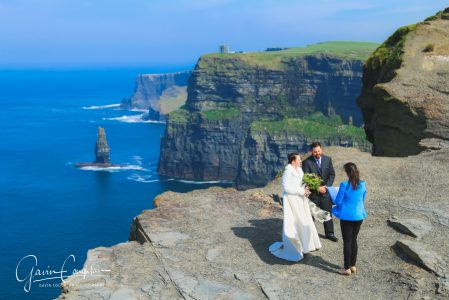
353, 174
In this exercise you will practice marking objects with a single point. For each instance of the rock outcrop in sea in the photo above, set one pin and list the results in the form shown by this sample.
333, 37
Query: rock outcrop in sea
213, 244
102, 153
160, 94
405, 96
244, 112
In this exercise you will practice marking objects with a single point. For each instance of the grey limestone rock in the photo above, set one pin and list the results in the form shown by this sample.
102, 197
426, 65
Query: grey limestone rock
413, 227
213, 243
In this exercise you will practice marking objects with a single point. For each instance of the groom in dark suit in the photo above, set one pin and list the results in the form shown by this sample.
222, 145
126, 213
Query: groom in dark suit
321, 164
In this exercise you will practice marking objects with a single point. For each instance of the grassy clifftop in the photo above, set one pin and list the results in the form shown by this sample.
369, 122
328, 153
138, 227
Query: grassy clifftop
276, 59
315, 126
388, 57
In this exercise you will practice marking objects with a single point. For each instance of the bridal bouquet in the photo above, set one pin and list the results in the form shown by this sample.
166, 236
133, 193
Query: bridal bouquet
313, 181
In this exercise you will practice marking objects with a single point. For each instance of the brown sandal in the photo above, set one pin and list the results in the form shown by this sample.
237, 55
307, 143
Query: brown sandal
345, 272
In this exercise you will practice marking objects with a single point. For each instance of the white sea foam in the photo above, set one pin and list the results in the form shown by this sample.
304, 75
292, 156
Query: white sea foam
113, 169
138, 109
137, 159
142, 178
132, 119
142, 110
202, 182
101, 106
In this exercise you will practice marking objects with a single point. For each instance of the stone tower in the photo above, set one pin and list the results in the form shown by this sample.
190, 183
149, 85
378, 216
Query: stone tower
224, 49
101, 148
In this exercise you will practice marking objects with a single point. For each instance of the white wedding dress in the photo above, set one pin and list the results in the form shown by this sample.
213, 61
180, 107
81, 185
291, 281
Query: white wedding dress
299, 234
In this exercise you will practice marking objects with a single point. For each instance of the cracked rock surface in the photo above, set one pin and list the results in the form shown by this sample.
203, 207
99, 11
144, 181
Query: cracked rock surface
213, 244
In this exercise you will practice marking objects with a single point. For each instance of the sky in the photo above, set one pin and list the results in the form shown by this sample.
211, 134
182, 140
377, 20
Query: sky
117, 33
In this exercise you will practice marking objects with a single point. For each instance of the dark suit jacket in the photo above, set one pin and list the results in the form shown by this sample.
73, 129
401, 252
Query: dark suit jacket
326, 171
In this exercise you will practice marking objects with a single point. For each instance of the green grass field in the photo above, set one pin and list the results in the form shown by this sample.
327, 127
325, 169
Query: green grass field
180, 116
315, 126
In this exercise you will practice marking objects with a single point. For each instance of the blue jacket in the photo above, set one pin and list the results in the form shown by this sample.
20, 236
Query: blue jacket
349, 203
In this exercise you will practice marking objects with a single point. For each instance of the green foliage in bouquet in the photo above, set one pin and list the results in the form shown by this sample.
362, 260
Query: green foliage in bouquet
313, 181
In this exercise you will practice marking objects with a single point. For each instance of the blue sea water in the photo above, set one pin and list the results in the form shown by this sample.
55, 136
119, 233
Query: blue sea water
49, 208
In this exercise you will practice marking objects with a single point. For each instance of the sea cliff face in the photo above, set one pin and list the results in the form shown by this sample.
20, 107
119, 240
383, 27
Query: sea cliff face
265, 154
405, 95
245, 112
159, 93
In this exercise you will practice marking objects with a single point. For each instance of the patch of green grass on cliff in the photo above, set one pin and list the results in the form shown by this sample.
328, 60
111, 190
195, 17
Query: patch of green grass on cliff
315, 126
388, 56
276, 59
318, 117
221, 114
345, 49
180, 116
444, 14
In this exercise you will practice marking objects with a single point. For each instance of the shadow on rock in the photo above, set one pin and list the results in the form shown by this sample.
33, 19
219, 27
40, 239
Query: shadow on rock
264, 232
277, 198
261, 235
320, 263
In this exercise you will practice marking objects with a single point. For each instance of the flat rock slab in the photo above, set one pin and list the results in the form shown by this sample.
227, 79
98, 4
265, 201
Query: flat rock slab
130, 271
213, 244
416, 228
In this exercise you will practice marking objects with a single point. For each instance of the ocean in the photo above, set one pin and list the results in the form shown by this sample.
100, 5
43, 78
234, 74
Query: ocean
50, 211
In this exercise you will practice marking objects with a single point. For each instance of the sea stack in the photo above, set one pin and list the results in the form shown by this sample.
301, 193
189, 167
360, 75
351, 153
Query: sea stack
102, 148
102, 152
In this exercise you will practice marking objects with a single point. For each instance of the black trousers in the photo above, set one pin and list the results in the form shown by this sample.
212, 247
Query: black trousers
325, 203
349, 231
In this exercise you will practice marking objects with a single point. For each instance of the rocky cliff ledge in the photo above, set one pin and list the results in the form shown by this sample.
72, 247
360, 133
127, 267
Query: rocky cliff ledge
160, 93
213, 244
248, 110
405, 97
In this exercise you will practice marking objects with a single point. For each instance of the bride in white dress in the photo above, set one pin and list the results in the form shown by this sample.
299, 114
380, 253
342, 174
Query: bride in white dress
299, 234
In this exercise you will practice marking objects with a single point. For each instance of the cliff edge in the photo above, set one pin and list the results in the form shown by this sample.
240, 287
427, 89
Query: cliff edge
405, 95
213, 244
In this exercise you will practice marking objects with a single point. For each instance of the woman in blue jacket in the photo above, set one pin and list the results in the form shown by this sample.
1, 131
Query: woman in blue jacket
349, 208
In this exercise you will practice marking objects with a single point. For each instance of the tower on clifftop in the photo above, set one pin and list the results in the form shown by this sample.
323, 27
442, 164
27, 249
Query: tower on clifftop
224, 49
